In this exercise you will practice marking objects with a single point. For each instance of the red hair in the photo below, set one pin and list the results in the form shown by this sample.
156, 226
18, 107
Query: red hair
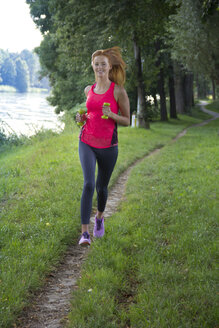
117, 72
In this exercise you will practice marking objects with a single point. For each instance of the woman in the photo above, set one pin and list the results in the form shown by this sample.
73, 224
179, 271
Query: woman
98, 138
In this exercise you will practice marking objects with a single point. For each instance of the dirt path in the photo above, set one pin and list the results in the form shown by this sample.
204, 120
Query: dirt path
52, 304
214, 115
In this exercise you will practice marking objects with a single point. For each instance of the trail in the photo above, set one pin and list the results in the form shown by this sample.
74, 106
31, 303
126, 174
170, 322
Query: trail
51, 305
214, 115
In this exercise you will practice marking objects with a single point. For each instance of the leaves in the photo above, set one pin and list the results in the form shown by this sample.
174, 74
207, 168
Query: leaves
75, 29
193, 42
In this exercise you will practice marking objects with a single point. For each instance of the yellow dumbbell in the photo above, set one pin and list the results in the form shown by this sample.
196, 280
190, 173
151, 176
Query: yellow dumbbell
105, 116
81, 112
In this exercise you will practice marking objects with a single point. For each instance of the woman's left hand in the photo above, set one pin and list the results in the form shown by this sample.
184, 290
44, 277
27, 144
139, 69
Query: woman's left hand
107, 111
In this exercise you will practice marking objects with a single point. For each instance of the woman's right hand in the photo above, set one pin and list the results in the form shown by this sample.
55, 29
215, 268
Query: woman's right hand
79, 118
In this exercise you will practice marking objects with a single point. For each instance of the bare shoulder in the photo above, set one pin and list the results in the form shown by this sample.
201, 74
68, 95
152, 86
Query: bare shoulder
87, 89
119, 92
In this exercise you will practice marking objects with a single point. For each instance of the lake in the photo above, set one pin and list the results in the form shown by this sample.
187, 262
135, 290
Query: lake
26, 113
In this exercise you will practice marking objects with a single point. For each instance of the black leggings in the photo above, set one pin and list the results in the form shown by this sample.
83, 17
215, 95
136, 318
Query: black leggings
106, 160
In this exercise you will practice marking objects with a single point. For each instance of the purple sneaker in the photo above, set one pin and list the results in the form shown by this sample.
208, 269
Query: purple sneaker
85, 239
98, 227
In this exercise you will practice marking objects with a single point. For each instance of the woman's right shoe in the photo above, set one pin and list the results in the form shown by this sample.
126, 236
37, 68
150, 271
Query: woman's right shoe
85, 239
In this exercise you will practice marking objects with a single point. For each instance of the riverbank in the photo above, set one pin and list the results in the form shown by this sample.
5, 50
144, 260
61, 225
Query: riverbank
8, 88
40, 188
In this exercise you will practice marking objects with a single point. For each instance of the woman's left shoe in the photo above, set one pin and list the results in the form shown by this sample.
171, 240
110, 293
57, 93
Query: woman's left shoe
98, 231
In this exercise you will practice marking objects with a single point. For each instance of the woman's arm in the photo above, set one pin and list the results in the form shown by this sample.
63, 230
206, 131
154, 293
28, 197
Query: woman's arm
124, 107
87, 89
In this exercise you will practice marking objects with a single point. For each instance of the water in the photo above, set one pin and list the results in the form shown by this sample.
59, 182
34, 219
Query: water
27, 113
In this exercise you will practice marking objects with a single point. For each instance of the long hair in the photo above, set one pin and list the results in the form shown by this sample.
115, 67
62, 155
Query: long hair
117, 72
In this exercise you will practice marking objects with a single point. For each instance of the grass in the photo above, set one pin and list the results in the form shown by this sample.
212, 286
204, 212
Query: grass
7, 88
38, 90
40, 189
214, 106
156, 265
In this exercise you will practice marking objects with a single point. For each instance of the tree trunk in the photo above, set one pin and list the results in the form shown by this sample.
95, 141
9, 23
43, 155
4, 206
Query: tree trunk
188, 91
213, 90
201, 87
179, 90
198, 87
173, 113
193, 98
163, 108
160, 83
142, 110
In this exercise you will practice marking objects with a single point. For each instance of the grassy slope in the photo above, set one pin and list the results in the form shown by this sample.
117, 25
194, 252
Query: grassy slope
40, 189
155, 266
214, 106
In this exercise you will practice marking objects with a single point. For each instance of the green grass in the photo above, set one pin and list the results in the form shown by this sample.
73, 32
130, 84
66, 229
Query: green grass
38, 90
214, 106
156, 265
40, 189
7, 88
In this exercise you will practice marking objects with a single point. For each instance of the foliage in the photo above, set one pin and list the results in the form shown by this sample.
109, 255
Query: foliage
32, 61
8, 72
208, 8
21, 70
3, 137
12, 140
22, 75
194, 42
41, 14
75, 29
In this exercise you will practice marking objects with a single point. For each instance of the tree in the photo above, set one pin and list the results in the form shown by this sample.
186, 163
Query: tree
31, 60
161, 80
208, 8
77, 28
8, 72
179, 88
195, 40
142, 111
22, 75
171, 87
41, 12
188, 91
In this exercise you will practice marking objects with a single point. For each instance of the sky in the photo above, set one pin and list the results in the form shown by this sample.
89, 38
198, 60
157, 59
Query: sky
17, 29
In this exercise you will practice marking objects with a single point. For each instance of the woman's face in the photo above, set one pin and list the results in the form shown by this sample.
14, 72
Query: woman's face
101, 66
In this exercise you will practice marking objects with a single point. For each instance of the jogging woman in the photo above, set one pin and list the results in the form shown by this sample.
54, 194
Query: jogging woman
98, 137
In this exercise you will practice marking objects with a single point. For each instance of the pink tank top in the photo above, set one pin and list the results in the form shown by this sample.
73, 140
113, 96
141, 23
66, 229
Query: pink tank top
98, 132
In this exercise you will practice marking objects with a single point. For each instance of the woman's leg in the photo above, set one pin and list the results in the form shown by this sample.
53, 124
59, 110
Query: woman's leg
88, 163
106, 159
